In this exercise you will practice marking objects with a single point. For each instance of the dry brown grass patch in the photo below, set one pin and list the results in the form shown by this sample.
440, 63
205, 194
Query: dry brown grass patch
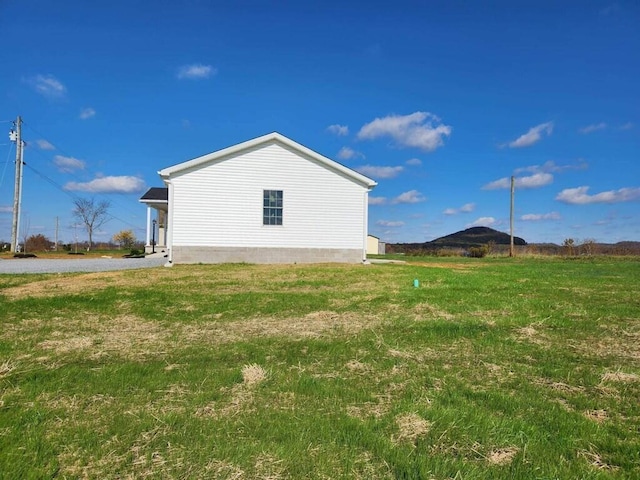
356, 366
380, 407
74, 284
6, 368
268, 467
431, 311
312, 325
66, 345
367, 468
622, 346
225, 470
597, 416
462, 267
502, 456
241, 395
595, 460
253, 374
417, 356
411, 427
620, 377
128, 336
531, 334
65, 285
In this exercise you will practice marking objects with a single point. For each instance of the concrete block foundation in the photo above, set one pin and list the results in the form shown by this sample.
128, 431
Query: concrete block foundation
200, 254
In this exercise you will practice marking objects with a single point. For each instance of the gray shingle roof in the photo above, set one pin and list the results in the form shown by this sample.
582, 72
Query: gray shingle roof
157, 194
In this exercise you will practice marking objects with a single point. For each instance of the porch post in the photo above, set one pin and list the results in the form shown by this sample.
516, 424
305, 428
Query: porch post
148, 244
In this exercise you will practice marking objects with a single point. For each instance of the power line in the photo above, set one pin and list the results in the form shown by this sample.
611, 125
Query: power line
4, 170
72, 174
73, 195
52, 182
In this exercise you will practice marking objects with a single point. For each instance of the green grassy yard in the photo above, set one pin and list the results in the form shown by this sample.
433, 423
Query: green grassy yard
493, 368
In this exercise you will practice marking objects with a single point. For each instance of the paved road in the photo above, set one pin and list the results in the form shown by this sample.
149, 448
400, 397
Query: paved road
40, 265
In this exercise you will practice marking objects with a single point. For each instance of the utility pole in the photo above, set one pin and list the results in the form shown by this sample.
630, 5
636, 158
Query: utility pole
17, 136
55, 245
511, 249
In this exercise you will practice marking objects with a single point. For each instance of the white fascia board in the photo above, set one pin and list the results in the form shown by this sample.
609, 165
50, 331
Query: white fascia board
153, 201
357, 177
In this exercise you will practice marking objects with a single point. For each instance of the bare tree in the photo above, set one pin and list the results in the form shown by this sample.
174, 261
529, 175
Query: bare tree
569, 245
91, 214
589, 246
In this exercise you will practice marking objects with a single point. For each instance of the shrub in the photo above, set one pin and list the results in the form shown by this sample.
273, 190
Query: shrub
478, 252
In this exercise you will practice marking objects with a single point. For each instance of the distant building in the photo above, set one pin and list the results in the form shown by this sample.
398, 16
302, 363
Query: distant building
266, 200
375, 246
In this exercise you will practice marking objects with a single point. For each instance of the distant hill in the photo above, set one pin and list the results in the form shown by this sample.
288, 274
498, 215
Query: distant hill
475, 237
479, 236
471, 237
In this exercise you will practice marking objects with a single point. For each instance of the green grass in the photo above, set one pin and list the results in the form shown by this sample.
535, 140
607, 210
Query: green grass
525, 368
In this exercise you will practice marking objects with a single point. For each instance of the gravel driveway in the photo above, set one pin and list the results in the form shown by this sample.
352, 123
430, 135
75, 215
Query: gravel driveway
39, 265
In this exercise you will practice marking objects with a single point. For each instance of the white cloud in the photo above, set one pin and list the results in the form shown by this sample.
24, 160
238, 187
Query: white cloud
68, 164
48, 86
414, 130
196, 71
339, 130
534, 135
626, 126
121, 184
593, 128
532, 181
466, 208
414, 162
550, 166
44, 145
412, 196
377, 200
388, 223
503, 182
6, 209
86, 113
536, 217
347, 153
483, 222
579, 196
379, 172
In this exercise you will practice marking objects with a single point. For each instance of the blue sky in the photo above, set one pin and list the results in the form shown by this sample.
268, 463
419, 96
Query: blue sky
440, 102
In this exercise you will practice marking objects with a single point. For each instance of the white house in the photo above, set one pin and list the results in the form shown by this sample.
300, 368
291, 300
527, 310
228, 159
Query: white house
266, 200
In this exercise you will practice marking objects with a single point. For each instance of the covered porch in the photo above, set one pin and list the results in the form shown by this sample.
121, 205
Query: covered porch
157, 201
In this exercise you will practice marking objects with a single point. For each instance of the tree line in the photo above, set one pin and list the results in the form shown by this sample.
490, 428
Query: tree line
92, 215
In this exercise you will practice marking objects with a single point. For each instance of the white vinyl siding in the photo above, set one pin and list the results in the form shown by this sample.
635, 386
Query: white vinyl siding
221, 203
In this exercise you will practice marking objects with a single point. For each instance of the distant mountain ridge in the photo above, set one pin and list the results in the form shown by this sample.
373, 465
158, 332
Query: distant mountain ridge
479, 236
471, 237
475, 237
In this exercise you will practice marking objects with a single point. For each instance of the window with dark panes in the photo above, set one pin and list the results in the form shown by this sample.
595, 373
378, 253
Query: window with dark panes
272, 207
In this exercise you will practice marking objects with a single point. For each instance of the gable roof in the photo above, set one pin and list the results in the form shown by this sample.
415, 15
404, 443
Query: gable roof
269, 138
156, 194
